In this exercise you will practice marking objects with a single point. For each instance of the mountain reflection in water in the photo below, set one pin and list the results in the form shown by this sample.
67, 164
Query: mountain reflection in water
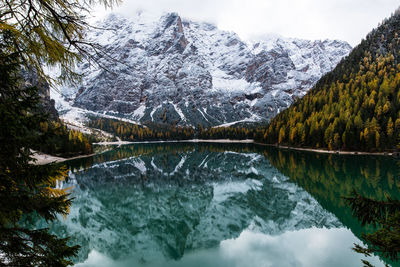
219, 205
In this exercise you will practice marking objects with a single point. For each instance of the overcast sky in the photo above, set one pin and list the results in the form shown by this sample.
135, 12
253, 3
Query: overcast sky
348, 20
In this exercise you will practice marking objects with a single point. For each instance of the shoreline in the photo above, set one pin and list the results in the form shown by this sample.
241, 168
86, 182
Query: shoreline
251, 141
335, 152
244, 141
43, 159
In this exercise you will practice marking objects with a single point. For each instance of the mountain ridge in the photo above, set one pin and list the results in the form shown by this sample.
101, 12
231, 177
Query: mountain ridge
179, 72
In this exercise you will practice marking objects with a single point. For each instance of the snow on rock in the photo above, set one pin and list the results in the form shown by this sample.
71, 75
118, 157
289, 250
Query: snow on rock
173, 70
139, 112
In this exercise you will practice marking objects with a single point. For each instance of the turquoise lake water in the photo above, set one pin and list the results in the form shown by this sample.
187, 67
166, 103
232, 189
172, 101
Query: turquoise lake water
178, 204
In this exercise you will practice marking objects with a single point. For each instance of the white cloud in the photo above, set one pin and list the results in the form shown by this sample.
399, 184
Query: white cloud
308, 247
308, 19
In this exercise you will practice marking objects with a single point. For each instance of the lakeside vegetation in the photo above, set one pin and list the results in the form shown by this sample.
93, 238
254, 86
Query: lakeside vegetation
26, 189
35, 35
56, 139
354, 107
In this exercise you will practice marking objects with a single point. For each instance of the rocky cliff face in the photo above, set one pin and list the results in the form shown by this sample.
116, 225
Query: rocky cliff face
171, 70
46, 104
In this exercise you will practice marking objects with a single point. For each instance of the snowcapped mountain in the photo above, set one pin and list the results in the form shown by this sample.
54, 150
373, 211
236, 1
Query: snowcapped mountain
176, 71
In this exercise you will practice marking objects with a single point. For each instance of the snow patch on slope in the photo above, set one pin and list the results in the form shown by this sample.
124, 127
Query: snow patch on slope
198, 69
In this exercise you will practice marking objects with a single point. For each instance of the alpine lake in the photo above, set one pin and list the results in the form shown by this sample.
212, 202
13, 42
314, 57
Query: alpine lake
208, 204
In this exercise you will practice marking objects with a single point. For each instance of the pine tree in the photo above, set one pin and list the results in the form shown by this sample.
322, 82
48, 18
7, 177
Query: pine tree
51, 32
385, 215
34, 33
26, 189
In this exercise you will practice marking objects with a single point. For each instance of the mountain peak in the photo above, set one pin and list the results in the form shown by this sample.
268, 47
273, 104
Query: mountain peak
169, 36
171, 19
190, 73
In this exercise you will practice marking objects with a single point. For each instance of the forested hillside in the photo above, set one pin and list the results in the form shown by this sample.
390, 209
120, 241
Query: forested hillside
57, 139
354, 107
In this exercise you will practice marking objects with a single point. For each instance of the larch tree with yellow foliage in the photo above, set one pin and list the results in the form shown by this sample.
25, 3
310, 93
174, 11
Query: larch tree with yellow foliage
33, 34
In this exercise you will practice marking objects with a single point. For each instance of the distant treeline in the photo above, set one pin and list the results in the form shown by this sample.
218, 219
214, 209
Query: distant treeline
133, 132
